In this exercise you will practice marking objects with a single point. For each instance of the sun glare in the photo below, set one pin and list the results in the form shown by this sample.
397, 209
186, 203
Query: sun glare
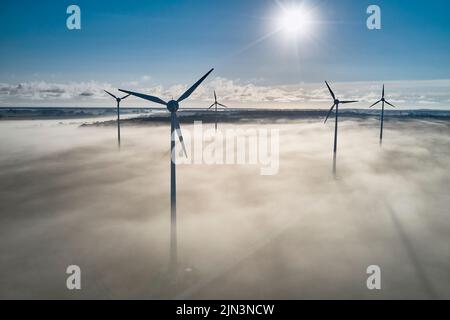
295, 21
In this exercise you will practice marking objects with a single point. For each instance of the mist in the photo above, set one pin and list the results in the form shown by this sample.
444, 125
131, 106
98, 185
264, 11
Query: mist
70, 196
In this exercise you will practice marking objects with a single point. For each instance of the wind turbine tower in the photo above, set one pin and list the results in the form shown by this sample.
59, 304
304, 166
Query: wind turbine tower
118, 113
336, 103
383, 101
173, 106
216, 104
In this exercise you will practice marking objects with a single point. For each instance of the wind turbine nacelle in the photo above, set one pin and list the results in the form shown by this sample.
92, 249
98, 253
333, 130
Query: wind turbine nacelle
118, 99
336, 101
173, 106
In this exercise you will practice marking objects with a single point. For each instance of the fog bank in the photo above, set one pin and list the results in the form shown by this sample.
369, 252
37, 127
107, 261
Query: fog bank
69, 196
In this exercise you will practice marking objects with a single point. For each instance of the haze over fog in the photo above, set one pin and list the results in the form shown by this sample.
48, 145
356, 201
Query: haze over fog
69, 196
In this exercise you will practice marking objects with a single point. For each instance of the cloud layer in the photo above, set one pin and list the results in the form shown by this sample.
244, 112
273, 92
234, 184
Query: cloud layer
406, 94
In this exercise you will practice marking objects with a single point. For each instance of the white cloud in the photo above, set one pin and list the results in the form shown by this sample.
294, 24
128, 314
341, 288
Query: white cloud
35, 91
407, 94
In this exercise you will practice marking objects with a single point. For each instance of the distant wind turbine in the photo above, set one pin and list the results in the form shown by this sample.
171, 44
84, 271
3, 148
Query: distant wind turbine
118, 113
336, 103
383, 101
215, 104
173, 106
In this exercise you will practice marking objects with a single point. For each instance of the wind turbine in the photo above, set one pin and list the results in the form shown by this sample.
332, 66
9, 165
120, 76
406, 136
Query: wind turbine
118, 113
173, 106
336, 103
215, 104
383, 101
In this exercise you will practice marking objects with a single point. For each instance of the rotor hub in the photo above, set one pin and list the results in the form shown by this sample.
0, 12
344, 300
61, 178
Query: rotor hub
173, 106
336, 101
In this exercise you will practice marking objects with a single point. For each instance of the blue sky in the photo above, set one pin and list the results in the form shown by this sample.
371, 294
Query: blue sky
161, 46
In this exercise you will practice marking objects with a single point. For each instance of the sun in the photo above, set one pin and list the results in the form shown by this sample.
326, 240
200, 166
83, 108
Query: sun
295, 21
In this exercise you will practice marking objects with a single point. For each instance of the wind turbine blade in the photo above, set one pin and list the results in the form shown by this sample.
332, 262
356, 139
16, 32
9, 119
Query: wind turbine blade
110, 94
180, 135
375, 104
390, 104
215, 96
352, 101
331, 91
383, 90
124, 97
329, 112
145, 97
211, 106
222, 105
192, 89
